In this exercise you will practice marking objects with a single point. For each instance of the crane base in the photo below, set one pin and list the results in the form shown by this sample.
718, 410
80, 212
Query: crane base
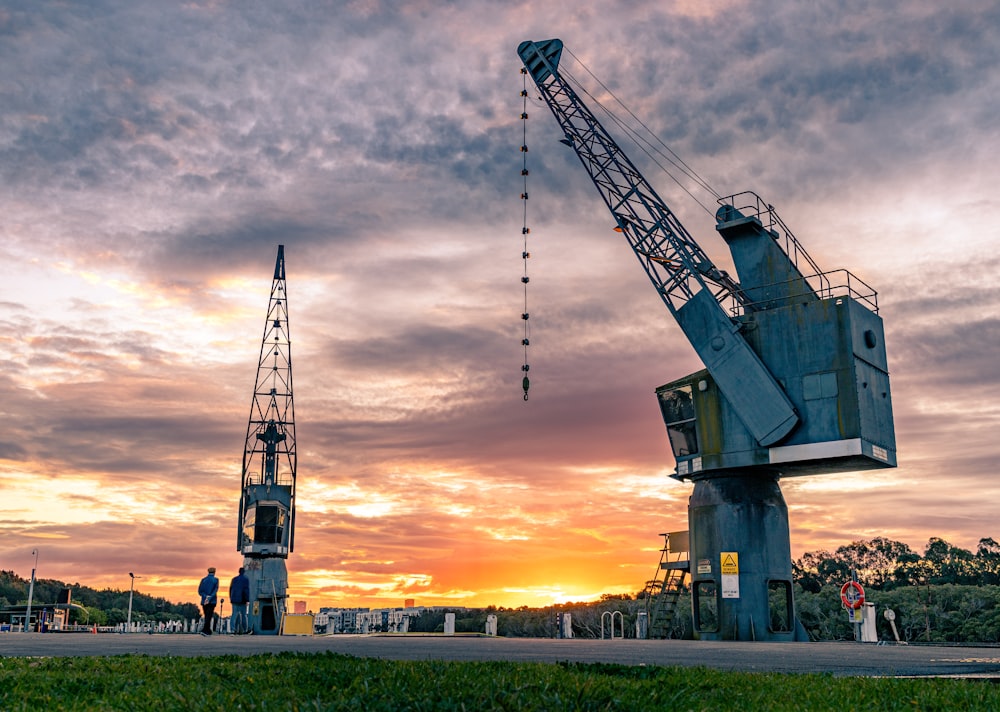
268, 594
741, 564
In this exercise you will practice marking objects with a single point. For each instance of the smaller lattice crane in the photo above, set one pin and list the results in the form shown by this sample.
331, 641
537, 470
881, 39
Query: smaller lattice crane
266, 525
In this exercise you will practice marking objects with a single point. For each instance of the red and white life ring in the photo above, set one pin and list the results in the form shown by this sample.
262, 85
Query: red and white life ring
852, 595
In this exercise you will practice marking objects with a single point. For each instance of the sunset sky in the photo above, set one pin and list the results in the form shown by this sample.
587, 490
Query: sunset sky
153, 155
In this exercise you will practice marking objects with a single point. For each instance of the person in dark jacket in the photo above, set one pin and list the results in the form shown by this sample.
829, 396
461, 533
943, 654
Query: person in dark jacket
208, 589
239, 596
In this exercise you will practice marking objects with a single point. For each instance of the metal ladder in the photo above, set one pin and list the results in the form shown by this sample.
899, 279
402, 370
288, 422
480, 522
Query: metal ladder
665, 588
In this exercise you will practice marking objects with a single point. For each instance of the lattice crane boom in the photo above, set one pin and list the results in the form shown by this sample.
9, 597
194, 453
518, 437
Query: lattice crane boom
674, 262
688, 282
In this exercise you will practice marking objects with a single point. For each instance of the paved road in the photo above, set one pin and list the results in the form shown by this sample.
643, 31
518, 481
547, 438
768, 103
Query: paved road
842, 659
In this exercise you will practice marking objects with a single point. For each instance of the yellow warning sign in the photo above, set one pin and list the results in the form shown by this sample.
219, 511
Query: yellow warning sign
730, 563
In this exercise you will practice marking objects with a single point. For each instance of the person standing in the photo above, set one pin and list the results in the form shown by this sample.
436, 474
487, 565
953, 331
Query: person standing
208, 589
239, 596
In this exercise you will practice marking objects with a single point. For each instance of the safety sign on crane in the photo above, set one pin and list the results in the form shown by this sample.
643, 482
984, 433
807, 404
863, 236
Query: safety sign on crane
730, 569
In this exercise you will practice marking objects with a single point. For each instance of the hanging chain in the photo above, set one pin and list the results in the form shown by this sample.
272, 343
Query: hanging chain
525, 342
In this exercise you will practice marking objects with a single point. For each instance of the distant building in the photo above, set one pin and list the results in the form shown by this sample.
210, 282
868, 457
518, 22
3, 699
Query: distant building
337, 620
386, 620
365, 620
44, 617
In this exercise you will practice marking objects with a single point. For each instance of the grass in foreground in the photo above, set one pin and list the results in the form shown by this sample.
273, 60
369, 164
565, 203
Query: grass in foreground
327, 681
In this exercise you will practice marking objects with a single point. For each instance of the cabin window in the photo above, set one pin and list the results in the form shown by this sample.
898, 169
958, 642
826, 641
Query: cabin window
677, 406
264, 524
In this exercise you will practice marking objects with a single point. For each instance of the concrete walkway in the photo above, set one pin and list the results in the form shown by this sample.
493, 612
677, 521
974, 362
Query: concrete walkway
842, 659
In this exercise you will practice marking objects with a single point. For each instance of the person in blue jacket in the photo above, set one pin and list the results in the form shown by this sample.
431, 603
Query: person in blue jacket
208, 589
239, 596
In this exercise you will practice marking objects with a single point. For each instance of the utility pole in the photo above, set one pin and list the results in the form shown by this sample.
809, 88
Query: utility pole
128, 625
31, 592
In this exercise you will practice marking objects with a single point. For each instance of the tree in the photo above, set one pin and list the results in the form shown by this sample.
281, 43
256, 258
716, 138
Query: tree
12, 587
949, 564
988, 562
818, 569
118, 615
806, 571
87, 615
95, 616
875, 560
913, 570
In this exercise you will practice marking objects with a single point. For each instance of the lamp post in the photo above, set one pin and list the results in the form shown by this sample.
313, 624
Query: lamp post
31, 591
128, 625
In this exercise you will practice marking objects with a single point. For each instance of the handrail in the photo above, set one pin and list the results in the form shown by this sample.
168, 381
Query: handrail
771, 221
621, 624
846, 285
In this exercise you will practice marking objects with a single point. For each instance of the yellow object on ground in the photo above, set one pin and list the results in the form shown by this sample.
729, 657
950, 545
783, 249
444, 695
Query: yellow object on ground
297, 624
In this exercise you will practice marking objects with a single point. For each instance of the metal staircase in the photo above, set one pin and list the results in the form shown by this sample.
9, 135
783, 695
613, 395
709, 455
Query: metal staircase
665, 588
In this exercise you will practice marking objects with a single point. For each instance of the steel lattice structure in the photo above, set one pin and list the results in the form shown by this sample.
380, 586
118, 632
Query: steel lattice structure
269, 454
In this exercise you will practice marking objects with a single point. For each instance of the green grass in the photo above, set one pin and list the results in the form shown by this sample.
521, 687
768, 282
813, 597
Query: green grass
326, 681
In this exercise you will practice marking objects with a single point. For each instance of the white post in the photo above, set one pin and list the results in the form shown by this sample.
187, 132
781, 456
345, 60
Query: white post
491, 624
641, 625
567, 626
449, 624
869, 634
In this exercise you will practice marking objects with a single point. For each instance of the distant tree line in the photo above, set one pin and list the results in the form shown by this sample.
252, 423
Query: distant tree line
945, 595
106, 607
883, 564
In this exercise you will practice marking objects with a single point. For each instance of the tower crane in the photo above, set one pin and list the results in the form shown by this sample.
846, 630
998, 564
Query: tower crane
795, 379
266, 524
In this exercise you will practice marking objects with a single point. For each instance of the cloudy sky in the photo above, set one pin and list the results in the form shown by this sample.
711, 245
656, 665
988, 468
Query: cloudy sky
153, 155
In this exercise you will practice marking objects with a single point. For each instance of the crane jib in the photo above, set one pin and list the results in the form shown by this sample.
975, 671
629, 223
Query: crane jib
674, 262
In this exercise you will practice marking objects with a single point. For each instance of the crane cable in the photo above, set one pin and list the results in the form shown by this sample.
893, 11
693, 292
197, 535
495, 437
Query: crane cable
639, 140
525, 341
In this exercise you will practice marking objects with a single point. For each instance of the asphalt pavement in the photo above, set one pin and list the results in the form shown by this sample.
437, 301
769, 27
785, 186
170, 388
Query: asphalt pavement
838, 658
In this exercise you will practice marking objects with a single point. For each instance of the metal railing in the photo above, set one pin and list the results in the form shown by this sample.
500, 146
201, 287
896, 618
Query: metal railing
824, 285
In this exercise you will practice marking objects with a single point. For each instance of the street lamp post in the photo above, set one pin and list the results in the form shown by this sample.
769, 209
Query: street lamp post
31, 591
128, 625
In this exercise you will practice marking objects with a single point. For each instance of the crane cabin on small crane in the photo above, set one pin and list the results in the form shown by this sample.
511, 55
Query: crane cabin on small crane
795, 380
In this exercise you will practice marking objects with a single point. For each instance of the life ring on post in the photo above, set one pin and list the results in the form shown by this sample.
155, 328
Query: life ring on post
852, 595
